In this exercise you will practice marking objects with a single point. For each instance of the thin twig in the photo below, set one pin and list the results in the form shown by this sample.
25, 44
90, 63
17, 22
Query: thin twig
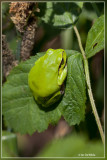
89, 85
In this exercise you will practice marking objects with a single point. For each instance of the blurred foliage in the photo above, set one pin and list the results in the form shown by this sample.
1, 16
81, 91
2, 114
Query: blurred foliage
86, 19
9, 144
61, 15
69, 146
73, 146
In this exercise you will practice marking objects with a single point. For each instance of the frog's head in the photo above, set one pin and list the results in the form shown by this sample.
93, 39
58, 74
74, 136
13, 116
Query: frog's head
59, 56
47, 77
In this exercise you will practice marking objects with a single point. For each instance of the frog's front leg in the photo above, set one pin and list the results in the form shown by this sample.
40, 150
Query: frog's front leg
62, 76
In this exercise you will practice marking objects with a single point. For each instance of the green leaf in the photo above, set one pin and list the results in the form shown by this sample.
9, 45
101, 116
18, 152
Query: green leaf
95, 39
61, 15
73, 146
20, 109
9, 144
75, 96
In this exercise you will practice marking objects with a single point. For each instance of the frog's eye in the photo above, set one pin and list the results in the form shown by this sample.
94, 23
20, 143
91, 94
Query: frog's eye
62, 62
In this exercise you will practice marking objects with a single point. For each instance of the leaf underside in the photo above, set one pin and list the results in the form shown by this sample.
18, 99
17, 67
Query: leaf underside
20, 109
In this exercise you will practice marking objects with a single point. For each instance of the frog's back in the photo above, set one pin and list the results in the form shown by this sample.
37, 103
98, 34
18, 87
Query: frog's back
44, 75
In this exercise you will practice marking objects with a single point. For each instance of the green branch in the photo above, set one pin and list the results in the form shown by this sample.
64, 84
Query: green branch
89, 85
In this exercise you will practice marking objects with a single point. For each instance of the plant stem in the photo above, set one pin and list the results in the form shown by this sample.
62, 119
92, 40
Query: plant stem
89, 85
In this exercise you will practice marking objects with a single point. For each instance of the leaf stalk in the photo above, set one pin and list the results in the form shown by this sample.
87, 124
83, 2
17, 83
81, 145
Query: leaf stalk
89, 86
